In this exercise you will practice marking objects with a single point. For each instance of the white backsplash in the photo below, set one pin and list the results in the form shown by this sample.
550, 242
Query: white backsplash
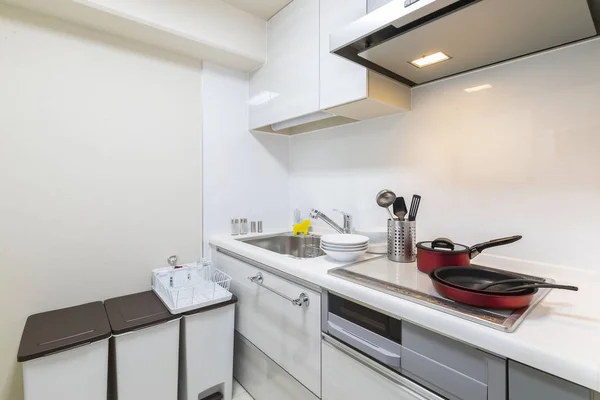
522, 157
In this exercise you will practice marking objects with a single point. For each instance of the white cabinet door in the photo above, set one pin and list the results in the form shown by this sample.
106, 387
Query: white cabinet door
288, 334
349, 375
342, 81
287, 86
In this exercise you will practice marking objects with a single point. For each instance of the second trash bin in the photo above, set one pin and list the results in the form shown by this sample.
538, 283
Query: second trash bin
144, 348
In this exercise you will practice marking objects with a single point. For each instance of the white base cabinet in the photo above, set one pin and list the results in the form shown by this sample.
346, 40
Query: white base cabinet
288, 334
348, 375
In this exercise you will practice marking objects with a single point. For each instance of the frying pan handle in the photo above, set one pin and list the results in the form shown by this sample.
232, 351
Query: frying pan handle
543, 285
478, 248
443, 243
523, 281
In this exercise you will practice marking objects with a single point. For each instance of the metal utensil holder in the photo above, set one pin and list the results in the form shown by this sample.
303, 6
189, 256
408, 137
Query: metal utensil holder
402, 241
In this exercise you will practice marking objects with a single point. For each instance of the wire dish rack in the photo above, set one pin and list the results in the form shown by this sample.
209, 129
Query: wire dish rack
191, 286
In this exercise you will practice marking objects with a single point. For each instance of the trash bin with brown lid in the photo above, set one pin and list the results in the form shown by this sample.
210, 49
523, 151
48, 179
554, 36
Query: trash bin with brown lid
145, 347
65, 353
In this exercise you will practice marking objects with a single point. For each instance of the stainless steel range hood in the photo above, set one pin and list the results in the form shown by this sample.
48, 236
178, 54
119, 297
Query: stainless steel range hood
472, 33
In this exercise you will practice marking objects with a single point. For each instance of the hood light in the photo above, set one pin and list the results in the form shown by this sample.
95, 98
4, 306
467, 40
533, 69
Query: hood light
478, 88
430, 59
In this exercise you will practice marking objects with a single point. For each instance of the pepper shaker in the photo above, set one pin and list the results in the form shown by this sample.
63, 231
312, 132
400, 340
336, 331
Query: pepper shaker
235, 227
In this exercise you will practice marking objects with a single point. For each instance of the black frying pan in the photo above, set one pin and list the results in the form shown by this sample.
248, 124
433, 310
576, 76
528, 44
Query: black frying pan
483, 280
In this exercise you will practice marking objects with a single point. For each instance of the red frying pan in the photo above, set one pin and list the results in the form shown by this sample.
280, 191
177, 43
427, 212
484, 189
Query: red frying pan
487, 289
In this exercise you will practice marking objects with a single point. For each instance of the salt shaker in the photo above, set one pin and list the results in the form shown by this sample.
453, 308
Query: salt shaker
244, 226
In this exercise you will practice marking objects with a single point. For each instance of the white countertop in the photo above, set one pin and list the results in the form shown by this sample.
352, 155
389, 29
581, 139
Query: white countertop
561, 336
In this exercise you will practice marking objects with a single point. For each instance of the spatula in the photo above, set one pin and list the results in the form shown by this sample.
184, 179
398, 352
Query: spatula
400, 208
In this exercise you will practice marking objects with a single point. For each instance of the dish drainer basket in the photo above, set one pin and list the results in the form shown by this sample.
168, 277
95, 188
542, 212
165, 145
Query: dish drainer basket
191, 286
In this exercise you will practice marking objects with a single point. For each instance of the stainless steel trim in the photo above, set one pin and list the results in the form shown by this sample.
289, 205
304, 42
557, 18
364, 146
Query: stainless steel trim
384, 372
271, 270
300, 301
474, 314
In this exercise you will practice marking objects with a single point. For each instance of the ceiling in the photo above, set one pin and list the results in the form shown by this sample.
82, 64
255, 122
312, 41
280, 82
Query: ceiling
264, 9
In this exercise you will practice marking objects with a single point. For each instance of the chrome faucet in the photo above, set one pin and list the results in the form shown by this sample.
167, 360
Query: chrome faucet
316, 214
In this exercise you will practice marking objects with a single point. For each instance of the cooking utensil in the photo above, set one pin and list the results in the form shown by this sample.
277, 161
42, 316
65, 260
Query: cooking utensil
464, 284
385, 199
483, 280
475, 278
400, 208
414, 207
443, 252
522, 284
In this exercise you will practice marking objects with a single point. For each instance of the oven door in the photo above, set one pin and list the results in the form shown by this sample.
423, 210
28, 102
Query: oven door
368, 331
348, 374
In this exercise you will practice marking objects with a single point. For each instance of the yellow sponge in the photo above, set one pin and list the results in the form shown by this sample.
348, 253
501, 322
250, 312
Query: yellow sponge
302, 227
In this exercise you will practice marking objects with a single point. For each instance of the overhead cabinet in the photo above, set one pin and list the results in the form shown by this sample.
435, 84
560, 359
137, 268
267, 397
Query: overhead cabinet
302, 87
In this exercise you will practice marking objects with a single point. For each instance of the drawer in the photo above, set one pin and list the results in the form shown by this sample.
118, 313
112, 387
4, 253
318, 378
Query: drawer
456, 370
286, 333
347, 374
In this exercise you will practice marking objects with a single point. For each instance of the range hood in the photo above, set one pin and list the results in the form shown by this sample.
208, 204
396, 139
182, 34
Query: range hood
455, 36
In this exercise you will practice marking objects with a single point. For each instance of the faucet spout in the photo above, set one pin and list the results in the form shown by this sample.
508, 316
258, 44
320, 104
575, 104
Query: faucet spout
316, 214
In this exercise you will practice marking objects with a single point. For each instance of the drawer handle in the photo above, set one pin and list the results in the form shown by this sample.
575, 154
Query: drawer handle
300, 301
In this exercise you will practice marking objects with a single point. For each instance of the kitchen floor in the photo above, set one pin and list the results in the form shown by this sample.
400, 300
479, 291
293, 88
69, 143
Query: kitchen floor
239, 393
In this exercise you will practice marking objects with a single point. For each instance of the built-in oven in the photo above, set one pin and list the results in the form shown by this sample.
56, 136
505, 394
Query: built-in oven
362, 352
401, 359
371, 332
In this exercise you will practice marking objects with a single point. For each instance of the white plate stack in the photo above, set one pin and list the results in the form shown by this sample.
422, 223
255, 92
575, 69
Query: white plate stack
345, 248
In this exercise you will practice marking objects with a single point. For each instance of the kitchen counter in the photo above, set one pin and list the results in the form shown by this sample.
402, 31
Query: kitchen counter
561, 336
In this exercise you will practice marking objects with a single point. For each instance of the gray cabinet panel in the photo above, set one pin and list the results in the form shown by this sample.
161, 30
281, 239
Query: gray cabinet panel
496, 370
526, 383
453, 354
459, 370
451, 381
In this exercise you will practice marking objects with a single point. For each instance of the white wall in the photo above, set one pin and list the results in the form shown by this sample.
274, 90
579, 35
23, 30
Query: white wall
520, 158
245, 174
100, 170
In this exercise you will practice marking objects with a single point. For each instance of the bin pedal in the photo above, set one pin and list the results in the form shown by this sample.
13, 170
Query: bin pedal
214, 396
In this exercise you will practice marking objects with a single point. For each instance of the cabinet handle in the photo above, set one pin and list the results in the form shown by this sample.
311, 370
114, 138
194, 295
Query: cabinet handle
300, 301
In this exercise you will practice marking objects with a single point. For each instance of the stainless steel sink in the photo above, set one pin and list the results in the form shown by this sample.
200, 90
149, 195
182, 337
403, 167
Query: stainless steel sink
288, 244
